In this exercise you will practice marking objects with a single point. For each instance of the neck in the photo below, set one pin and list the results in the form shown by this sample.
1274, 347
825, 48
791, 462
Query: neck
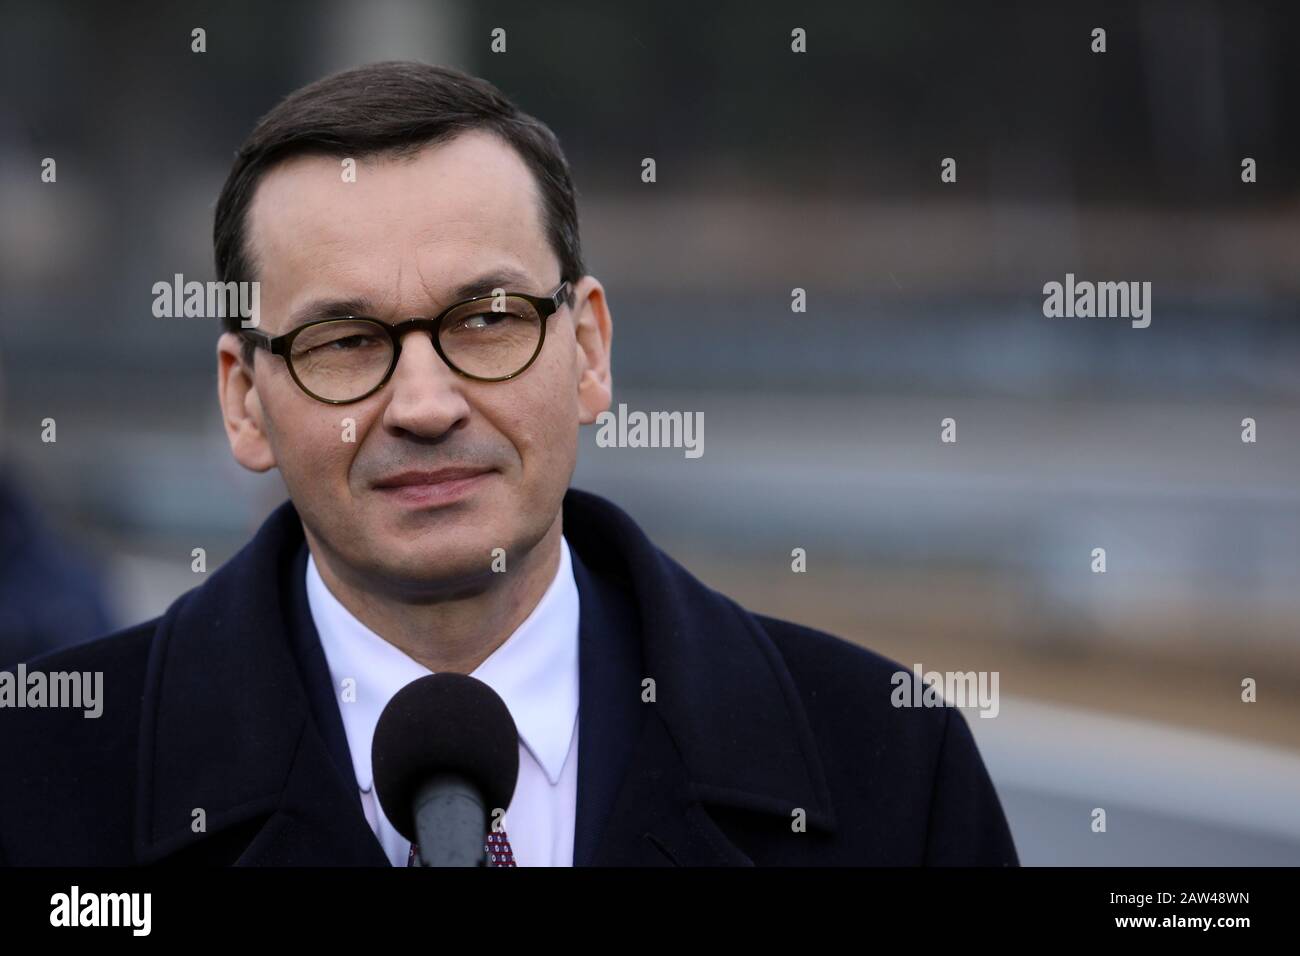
457, 633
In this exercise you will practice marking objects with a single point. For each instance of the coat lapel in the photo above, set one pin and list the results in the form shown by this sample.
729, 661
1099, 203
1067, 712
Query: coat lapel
316, 822
228, 745
725, 728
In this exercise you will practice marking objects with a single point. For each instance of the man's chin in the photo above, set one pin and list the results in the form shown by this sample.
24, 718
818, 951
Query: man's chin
406, 587
438, 565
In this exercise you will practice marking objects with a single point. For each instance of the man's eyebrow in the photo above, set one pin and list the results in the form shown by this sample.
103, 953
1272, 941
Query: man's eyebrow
331, 307
503, 278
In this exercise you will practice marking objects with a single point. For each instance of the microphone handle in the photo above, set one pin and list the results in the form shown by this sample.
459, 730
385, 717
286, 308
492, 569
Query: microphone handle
450, 822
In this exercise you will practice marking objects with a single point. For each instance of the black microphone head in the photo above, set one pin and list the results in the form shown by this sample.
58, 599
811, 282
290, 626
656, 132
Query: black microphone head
443, 723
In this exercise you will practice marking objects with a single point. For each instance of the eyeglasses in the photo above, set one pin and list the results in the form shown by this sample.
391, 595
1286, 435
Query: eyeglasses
489, 338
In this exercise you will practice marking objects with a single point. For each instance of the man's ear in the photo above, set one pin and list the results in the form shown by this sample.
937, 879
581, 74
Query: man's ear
241, 408
594, 330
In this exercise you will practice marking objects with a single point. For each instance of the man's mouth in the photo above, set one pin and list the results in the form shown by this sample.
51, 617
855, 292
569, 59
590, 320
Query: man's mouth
440, 486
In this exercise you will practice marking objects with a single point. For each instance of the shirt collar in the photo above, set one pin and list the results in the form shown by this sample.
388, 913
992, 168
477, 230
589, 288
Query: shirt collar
535, 670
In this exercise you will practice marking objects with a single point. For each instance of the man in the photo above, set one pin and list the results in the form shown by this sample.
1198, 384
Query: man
430, 527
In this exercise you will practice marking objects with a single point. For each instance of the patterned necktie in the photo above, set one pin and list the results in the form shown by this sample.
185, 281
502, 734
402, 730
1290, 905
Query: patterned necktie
497, 846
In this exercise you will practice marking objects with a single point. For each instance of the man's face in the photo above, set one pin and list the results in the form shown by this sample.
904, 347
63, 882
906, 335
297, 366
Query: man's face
400, 239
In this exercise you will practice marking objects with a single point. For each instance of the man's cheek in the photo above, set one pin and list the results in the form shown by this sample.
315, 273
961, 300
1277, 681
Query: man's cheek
324, 452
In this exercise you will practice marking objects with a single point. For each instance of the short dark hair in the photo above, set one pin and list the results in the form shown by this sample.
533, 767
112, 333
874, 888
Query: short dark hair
395, 108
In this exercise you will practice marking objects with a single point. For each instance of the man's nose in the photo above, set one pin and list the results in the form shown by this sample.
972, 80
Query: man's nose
427, 396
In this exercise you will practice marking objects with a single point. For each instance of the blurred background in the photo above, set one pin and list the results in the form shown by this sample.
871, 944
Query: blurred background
775, 171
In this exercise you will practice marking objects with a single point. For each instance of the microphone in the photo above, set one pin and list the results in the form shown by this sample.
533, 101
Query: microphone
445, 752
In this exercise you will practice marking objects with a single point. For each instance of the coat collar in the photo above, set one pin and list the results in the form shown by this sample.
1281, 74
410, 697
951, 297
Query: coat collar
233, 737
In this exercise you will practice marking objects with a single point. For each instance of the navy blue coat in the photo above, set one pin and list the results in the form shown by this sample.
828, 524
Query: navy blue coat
224, 703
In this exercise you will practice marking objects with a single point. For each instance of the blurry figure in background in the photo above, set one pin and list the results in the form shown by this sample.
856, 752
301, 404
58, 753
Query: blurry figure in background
49, 597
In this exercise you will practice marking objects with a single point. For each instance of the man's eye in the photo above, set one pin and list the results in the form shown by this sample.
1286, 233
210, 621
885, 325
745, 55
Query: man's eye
484, 320
351, 342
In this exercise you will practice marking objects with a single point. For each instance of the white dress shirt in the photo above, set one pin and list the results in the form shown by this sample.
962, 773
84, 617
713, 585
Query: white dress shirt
536, 673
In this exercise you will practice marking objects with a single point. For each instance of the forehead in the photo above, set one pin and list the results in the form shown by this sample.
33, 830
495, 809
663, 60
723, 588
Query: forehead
406, 231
